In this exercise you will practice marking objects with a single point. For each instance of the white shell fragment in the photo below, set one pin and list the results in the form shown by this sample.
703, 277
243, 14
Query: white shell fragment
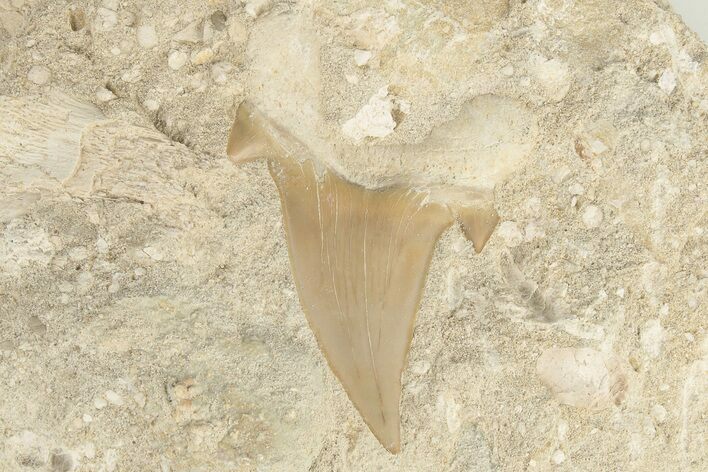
177, 59
373, 120
147, 36
582, 377
39, 75
651, 338
592, 216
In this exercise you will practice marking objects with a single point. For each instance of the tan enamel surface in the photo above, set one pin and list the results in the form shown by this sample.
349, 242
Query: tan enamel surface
359, 259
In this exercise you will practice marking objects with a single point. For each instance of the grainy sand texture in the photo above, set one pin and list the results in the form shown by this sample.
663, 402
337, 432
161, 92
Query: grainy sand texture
149, 320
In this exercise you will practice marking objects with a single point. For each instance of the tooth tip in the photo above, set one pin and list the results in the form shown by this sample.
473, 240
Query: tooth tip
478, 224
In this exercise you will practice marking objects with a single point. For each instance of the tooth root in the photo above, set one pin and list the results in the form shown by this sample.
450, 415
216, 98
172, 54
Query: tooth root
359, 259
478, 223
252, 136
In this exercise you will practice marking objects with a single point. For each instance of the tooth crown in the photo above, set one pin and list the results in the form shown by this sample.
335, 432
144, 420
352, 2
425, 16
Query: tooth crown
359, 259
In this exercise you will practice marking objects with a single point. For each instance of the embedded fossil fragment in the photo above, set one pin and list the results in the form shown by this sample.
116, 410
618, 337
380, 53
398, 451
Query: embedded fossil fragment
359, 258
582, 377
41, 138
60, 143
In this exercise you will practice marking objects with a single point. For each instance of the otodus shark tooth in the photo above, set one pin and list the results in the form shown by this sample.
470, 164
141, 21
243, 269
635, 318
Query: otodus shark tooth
359, 259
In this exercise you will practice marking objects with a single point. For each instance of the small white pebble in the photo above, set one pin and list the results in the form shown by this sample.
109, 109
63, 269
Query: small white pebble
257, 7
177, 59
507, 70
113, 398
592, 216
361, 57
667, 81
139, 272
131, 76
151, 104
560, 174
104, 95
114, 287
220, 72
651, 337
202, 57
658, 412
140, 399
87, 418
99, 403
533, 231
101, 246
147, 36
39, 75
106, 20
510, 233
558, 457
576, 189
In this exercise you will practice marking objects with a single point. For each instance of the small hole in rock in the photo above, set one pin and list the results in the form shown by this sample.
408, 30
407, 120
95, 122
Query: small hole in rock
218, 19
77, 20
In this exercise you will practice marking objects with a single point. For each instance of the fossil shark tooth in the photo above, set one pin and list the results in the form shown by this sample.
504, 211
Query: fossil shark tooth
359, 259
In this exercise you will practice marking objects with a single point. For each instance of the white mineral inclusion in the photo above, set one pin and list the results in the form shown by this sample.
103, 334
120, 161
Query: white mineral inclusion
361, 57
667, 81
651, 337
553, 75
39, 75
106, 19
510, 233
177, 59
592, 216
581, 377
374, 119
147, 36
